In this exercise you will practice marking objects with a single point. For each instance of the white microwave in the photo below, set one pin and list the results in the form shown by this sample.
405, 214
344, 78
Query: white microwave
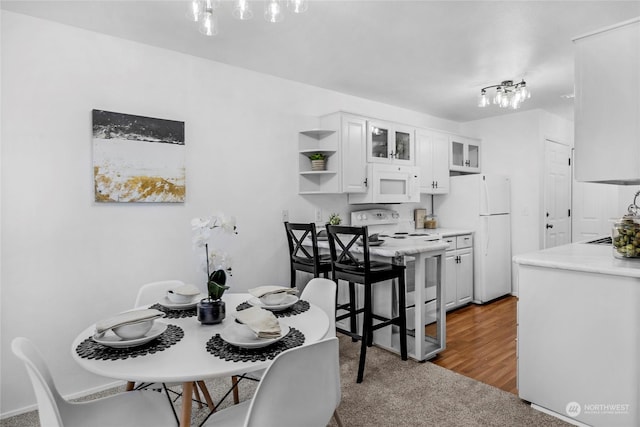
390, 184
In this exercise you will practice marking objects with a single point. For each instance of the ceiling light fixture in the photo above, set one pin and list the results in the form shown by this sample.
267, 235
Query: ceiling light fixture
508, 94
205, 12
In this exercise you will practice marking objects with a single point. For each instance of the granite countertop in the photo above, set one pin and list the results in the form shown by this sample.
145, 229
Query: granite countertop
444, 232
581, 257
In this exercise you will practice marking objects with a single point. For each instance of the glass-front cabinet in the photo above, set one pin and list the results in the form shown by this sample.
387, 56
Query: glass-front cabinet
390, 143
464, 155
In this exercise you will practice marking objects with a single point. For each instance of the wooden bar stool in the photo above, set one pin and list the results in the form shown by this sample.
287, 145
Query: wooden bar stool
305, 258
350, 259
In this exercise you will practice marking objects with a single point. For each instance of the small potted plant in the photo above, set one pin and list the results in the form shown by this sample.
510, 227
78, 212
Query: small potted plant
212, 310
334, 219
318, 161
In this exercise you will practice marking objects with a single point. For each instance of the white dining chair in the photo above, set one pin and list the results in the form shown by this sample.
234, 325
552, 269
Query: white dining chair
322, 293
152, 293
132, 408
300, 388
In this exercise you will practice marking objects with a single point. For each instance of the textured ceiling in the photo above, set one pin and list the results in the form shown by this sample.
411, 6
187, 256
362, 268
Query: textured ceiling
427, 56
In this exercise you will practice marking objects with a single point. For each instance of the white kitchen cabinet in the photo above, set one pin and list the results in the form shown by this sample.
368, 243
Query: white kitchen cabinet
432, 157
607, 105
390, 143
464, 154
342, 139
459, 271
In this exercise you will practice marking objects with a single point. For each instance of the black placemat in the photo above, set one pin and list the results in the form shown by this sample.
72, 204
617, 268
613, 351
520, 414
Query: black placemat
89, 349
173, 313
299, 307
222, 349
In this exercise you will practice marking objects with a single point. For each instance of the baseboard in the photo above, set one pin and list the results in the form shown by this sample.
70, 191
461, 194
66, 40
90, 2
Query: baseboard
72, 396
559, 416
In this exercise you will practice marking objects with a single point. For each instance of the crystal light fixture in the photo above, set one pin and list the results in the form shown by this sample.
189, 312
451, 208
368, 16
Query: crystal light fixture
205, 12
508, 95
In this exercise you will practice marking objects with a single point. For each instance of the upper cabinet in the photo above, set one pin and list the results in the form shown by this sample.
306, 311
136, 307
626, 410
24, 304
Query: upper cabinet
607, 105
464, 155
390, 143
432, 157
342, 140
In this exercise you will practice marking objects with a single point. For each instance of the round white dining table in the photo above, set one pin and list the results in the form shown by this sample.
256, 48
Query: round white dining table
188, 360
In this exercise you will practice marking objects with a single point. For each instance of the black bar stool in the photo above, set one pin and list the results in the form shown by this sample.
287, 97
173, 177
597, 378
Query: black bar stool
304, 258
349, 247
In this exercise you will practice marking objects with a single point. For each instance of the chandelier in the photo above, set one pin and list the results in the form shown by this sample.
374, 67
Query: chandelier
508, 94
205, 12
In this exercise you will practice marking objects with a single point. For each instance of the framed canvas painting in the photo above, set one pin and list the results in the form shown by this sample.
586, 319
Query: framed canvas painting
137, 159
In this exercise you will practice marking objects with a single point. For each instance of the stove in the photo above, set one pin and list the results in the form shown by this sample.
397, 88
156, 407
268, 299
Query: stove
388, 225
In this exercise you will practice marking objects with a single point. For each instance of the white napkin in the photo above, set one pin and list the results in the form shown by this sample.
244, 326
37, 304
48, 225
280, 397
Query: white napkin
134, 316
262, 322
187, 290
261, 291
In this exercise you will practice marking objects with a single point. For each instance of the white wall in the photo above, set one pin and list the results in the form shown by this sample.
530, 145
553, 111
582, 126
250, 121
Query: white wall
514, 145
68, 261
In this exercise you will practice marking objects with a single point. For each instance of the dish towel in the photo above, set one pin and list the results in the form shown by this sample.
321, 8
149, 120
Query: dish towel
261, 291
127, 317
262, 322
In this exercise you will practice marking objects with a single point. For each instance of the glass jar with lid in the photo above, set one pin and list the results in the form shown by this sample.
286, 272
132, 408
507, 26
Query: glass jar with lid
431, 221
626, 237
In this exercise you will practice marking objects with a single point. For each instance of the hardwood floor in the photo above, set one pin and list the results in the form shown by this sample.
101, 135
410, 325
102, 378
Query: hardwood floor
481, 343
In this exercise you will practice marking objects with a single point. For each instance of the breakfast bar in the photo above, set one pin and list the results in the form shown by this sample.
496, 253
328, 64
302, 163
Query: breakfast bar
425, 305
578, 333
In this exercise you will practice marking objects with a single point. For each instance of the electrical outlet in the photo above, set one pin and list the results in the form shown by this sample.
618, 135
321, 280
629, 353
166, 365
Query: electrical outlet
285, 215
318, 215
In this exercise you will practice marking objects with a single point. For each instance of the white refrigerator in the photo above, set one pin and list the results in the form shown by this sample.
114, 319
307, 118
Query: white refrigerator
482, 203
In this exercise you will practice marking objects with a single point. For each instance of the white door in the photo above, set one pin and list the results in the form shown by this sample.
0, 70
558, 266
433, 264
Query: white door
557, 194
594, 205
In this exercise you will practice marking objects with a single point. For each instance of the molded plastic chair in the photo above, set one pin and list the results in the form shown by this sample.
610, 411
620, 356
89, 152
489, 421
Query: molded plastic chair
352, 262
322, 293
300, 388
299, 256
132, 408
152, 293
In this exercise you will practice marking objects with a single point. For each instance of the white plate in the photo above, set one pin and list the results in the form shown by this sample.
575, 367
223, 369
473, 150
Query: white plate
112, 340
181, 306
242, 336
288, 302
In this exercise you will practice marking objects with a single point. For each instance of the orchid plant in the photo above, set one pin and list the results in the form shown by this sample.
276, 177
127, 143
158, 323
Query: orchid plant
218, 263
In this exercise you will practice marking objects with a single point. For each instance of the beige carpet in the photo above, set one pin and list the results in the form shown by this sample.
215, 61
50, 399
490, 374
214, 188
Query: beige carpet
397, 393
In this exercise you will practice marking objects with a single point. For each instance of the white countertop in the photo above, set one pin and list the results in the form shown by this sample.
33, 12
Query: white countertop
582, 257
392, 248
444, 232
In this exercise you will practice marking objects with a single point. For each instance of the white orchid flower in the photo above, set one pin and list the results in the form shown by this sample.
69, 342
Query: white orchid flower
199, 223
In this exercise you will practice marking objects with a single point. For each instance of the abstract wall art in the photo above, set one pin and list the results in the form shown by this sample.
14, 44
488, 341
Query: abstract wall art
137, 159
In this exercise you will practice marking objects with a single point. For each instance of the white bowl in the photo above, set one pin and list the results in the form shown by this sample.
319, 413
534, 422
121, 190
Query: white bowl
274, 299
180, 298
132, 331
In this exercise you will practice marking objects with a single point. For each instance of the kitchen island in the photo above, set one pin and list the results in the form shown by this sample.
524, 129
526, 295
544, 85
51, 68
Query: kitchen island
423, 254
579, 334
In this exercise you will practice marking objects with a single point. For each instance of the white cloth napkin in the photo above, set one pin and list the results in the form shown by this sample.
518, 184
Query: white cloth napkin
127, 317
262, 322
261, 291
187, 290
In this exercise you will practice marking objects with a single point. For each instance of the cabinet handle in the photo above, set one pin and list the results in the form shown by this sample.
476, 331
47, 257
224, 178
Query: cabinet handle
467, 163
366, 182
433, 184
436, 184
